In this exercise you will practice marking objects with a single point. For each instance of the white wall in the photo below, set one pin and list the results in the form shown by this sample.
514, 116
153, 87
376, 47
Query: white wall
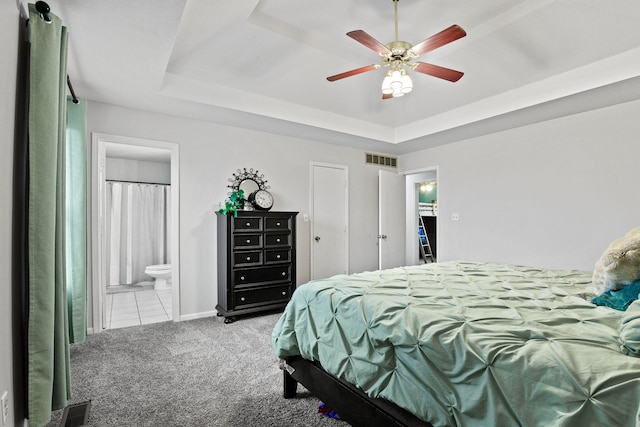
138, 170
209, 154
9, 27
553, 194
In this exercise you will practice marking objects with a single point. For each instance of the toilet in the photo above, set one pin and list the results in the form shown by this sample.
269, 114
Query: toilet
162, 273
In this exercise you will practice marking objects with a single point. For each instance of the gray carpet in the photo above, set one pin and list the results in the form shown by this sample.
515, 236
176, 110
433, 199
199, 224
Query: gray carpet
195, 373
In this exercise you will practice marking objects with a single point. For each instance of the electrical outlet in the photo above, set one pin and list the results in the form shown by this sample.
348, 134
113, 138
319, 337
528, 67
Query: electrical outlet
455, 217
4, 402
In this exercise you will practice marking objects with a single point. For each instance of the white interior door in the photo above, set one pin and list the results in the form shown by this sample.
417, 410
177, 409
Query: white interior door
329, 220
391, 219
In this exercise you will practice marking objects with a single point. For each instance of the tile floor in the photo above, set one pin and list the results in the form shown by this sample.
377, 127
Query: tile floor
134, 308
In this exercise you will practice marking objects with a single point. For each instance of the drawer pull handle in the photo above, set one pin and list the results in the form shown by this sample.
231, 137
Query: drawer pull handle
278, 256
284, 293
284, 273
278, 240
278, 224
242, 299
248, 224
248, 258
241, 277
248, 241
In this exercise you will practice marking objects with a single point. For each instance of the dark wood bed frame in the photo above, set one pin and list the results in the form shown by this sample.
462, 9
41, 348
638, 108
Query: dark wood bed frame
349, 402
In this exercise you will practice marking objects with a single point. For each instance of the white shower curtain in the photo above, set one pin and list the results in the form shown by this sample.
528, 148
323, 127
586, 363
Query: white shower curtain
137, 219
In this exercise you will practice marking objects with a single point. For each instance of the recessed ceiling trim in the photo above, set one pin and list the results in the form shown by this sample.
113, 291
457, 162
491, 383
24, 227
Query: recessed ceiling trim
193, 90
601, 73
598, 74
318, 41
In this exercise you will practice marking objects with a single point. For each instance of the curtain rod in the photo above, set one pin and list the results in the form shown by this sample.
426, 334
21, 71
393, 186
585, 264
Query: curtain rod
136, 182
73, 93
44, 9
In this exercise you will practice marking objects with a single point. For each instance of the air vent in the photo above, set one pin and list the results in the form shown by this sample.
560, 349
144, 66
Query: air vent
379, 159
76, 414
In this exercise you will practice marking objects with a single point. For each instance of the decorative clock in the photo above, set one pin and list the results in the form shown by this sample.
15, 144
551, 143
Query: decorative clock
261, 200
254, 186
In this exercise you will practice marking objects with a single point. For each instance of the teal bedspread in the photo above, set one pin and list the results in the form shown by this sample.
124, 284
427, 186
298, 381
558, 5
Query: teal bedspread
467, 344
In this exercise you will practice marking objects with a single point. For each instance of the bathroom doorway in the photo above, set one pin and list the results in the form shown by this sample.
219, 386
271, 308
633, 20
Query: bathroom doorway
135, 232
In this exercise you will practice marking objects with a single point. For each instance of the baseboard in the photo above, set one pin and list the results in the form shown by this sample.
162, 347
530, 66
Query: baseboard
202, 315
89, 331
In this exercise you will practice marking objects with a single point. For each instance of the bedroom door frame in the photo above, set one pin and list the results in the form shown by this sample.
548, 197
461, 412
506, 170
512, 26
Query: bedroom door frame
411, 253
312, 229
99, 142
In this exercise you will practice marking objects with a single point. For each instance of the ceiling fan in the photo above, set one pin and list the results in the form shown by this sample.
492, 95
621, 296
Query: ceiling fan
398, 55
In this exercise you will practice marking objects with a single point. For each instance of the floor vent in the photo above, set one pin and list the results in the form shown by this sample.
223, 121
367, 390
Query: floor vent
379, 159
76, 415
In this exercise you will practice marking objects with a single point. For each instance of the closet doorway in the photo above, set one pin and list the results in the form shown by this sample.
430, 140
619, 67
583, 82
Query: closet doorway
135, 220
421, 183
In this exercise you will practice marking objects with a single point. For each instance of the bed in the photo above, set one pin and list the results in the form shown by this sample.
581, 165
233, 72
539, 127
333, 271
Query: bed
461, 344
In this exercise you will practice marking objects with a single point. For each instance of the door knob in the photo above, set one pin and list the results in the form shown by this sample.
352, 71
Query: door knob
317, 238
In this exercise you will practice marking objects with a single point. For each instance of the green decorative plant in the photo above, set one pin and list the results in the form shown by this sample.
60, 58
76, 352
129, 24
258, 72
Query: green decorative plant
233, 204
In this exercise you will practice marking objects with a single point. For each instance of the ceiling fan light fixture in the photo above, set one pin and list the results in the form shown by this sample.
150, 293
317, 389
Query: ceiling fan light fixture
386, 84
407, 84
397, 83
395, 80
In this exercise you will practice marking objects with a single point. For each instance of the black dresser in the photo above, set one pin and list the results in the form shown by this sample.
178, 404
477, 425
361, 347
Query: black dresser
256, 262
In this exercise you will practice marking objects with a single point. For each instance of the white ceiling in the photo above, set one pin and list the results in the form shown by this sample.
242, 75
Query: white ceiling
137, 152
263, 63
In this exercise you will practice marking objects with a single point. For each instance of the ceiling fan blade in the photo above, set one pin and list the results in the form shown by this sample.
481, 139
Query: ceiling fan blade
444, 37
353, 72
437, 71
373, 44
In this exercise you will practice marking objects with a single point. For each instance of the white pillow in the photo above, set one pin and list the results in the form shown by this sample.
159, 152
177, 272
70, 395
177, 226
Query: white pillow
619, 265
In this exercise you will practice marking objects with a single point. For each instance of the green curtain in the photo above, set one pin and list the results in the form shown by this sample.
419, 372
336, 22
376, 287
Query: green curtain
76, 219
48, 377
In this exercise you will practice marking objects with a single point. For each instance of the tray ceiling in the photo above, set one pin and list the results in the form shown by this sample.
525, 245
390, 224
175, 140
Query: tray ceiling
263, 64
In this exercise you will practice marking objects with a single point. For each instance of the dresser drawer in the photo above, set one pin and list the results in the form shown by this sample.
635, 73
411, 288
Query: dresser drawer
247, 258
247, 241
277, 223
277, 239
265, 295
247, 224
277, 255
253, 276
